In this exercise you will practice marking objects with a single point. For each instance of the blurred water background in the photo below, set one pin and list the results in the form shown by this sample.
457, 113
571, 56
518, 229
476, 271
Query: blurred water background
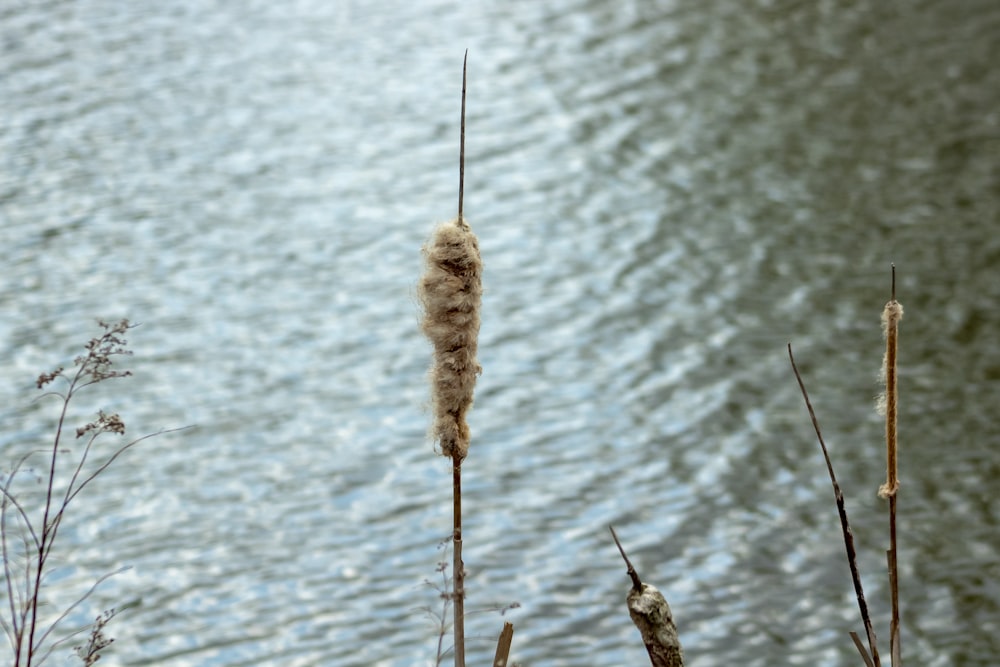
666, 193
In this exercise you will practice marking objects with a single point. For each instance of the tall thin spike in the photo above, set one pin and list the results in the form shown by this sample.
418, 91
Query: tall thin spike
461, 150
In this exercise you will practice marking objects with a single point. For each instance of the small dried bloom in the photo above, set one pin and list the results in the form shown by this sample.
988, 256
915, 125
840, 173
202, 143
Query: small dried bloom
104, 423
451, 292
97, 362
46, 378
97, 642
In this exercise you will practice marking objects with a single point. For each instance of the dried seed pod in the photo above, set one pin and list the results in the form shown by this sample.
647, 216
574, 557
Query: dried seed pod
887, 401
451, 292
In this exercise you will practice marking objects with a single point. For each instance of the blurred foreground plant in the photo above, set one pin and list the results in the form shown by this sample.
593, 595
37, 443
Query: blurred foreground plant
26, 542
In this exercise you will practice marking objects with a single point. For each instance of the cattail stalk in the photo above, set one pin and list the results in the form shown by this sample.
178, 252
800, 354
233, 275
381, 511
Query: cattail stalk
451, 291
887, 405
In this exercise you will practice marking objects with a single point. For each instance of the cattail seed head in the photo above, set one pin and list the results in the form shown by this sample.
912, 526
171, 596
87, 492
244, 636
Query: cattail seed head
891, 315
451, 291
887, 401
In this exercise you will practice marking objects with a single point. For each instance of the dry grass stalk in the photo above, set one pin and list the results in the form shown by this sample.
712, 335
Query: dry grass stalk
870, 655
451, 291
887, 405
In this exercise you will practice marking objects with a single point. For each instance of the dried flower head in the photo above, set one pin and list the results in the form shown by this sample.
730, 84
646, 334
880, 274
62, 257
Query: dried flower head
91, 652
451, 292
104, 423
887, 401
46, 378
98, 361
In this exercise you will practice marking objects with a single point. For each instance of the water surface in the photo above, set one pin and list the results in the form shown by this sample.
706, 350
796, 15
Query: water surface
666, 193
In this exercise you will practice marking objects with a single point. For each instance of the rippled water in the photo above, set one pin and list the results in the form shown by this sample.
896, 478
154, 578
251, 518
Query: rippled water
665, 194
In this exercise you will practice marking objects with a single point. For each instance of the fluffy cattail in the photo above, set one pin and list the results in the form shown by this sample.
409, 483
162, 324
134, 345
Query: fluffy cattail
451, 291
891, 315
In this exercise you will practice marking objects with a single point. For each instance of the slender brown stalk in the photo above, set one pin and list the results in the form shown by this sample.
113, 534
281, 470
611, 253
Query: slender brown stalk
891, 315
451, 291
458, 572
457, 455
872, 659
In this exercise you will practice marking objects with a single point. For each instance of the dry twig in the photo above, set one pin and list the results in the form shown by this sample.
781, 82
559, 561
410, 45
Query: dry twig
871, 659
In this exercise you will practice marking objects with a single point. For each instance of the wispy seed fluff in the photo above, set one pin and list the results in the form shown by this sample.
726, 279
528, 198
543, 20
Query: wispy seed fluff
891, 315
887, 401
451, 291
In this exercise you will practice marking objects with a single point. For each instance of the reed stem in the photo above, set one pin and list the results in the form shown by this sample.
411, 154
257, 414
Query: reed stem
451, 291
458, 567
503, 645
891, 315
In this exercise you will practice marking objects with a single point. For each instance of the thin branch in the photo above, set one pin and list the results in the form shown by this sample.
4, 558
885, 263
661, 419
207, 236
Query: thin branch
8, 631
844, 524
21, 511
69, 609
8, 578
118, 453
861, 649
445, 595
14, 599
458, 572
44, 544
79, 468
891, 316
71, 493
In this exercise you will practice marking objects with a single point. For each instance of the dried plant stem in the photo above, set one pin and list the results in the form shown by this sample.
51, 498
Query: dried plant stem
451, 291
25, 561
503, 645
871, 659
458, 571
457, 456
895, 649
632, 574
891, 315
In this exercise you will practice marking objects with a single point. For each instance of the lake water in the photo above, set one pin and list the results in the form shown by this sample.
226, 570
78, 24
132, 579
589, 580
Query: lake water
665, 193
